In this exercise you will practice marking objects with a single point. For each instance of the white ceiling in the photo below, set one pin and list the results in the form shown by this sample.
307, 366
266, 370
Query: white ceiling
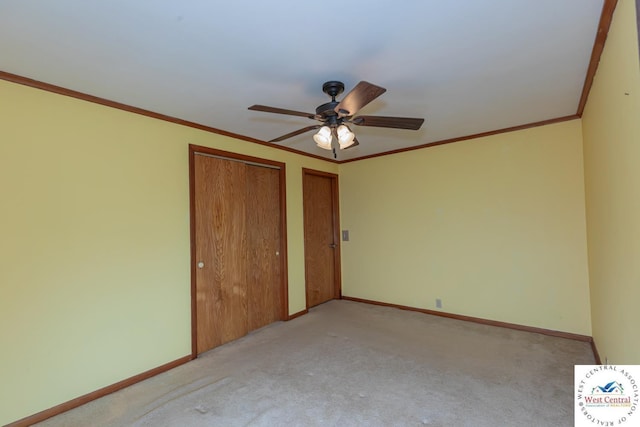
466, 66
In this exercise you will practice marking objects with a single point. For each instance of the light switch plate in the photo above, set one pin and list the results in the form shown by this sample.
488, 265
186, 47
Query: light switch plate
345, 235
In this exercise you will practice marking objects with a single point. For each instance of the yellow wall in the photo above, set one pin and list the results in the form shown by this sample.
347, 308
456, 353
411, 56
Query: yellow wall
495, 227
94, 244
611, 128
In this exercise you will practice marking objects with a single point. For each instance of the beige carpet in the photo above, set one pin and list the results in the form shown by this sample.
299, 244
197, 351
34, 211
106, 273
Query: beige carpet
353, 364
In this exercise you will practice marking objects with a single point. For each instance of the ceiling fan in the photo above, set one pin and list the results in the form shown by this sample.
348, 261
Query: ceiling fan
336, 115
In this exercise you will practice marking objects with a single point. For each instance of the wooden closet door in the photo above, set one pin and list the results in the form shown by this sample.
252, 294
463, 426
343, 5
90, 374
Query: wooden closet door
321, 242
221, 248
264, 275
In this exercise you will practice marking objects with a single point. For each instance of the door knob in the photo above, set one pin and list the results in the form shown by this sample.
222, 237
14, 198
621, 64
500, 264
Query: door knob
201, 264
332, 245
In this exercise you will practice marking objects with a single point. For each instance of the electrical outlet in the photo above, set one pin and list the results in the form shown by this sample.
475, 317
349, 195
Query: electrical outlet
438, 303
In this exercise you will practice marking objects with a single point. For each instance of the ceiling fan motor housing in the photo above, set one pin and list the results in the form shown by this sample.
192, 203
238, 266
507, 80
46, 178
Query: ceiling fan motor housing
326, 113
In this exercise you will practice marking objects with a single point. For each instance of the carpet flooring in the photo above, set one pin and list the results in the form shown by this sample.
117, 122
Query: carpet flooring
352, 364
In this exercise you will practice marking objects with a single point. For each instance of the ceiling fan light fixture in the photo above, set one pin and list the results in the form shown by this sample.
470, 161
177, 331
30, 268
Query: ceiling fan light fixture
346, 138
323, 138
335, 115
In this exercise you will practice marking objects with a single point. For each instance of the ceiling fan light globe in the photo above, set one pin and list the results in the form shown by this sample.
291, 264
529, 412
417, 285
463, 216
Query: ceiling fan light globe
323, 138
324, 145
346, 138
348, 144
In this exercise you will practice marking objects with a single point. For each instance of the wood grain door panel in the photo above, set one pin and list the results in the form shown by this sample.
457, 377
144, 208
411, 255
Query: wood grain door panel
321, 243
264, 290
221, 246
238, 235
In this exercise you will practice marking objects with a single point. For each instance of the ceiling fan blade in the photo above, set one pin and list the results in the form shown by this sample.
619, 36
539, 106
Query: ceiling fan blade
295, 132
361, 95
267, 109
388, 122
355, 143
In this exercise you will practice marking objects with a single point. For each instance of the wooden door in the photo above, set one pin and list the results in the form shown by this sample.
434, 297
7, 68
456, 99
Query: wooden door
321, 237
220, 252
264, 290
238, 245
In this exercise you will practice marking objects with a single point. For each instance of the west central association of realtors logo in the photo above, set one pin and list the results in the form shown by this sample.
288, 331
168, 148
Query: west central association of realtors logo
609, 394
606, 395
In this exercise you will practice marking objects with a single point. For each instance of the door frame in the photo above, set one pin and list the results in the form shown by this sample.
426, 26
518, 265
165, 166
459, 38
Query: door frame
256, 161
337, 257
